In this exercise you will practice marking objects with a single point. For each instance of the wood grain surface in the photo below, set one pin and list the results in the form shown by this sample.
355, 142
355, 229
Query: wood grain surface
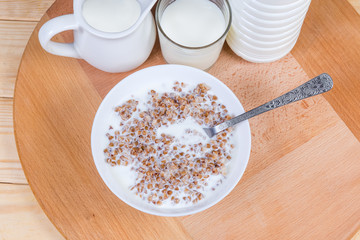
33, 223
294, 178
23, 10
18, 207
10, 167
21, 217
332, 44
13, 36
355, 4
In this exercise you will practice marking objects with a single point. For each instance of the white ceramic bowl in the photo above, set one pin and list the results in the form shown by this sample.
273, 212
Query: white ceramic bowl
258, 56
278, 5
247, 47
259, 29
151, 78
273, 23
240, 29
269, 8
274, 16
262, 44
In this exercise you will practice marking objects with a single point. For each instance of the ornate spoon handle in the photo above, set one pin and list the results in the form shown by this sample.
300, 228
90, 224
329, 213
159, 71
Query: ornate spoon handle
315, 86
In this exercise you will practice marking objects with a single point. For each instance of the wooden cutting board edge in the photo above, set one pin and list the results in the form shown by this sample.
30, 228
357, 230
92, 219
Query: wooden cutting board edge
15, 132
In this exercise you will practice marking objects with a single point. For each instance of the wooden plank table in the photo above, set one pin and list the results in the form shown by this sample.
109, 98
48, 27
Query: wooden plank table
19, 209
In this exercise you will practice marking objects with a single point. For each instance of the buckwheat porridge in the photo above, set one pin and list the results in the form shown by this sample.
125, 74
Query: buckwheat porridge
158, 146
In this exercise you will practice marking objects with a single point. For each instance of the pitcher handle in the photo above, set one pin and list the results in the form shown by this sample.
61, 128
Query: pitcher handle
53, 27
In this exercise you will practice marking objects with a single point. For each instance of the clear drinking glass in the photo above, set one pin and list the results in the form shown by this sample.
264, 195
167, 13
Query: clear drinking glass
200, 57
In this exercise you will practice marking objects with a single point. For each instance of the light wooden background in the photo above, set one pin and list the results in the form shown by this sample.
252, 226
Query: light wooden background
20, 215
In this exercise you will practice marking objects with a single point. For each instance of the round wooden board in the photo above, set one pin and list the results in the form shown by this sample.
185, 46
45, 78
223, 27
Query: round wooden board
56, 99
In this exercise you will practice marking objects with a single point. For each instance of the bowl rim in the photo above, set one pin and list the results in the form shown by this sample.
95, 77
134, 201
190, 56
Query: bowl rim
177, 213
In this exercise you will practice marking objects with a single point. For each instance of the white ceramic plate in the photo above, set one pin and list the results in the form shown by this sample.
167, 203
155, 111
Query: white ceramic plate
151, 78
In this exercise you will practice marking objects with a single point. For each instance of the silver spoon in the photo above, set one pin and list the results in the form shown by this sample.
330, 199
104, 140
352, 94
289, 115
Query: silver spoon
315, 86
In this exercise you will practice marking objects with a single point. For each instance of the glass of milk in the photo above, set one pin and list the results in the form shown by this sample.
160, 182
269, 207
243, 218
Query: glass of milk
192, 32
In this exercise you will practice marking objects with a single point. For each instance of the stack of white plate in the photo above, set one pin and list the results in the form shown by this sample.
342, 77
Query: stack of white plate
265, 30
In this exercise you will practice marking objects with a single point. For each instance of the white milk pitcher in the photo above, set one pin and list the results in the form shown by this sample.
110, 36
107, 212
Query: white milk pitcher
107, 51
